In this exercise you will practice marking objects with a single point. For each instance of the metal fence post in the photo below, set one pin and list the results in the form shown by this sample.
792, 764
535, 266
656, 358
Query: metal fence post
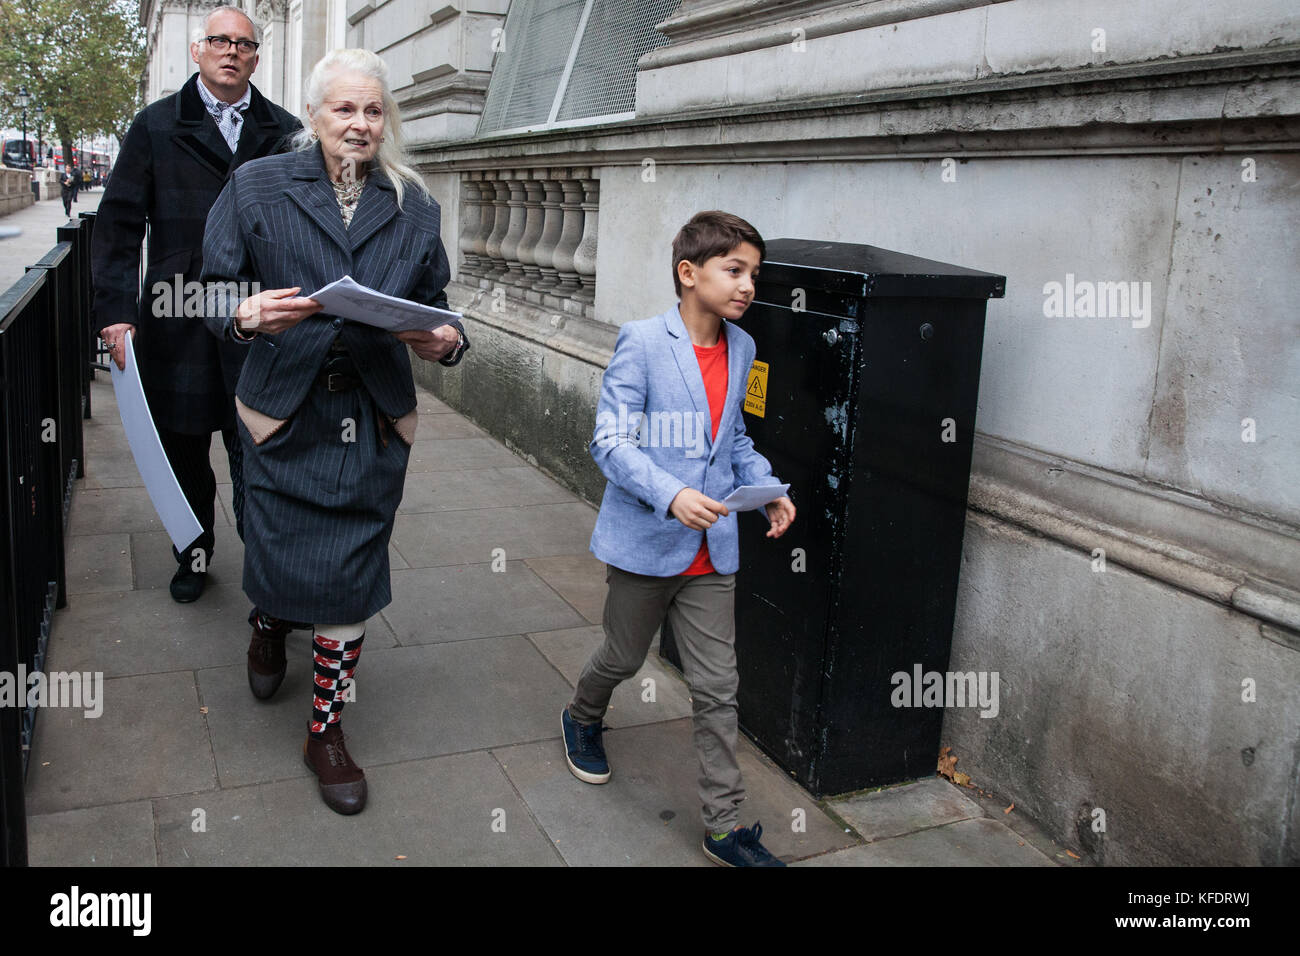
44, 393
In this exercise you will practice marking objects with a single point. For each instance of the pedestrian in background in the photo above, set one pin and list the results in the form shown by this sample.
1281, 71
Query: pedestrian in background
66, 181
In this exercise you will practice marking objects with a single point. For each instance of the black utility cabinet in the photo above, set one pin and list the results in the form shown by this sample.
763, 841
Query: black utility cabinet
868, 410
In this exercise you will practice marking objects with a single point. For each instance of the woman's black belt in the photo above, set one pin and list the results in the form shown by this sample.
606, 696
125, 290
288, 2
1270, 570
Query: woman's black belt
339, 374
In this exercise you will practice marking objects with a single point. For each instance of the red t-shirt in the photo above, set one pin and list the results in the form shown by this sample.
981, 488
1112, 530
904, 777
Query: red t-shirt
713, 367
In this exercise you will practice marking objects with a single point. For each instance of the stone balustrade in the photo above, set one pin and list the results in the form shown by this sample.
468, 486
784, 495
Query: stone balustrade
47, 179
533, 233
15, 190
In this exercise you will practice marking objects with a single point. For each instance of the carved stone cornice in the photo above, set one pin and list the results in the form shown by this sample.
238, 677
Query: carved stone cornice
709, 28
270, 11
150, 12
454, 92
1240, 560
1166, 107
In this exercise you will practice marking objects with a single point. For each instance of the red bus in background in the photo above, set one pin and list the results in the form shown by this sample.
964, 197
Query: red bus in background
94, 166
79, 156
99, 166
16, 156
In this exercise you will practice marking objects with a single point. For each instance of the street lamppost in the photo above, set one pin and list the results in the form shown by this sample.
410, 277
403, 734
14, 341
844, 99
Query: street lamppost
21, 101
40, 128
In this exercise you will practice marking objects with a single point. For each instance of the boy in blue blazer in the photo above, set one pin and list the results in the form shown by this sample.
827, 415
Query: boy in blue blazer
671, 439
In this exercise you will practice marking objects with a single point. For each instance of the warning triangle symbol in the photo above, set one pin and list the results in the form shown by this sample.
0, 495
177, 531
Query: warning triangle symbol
755, 388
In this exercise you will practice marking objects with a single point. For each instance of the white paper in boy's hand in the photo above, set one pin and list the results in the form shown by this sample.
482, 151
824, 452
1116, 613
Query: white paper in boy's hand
749, 497
351, 300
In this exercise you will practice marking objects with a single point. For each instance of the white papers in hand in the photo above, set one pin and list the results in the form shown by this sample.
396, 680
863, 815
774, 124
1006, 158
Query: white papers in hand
155, 470
348, 298
749, 497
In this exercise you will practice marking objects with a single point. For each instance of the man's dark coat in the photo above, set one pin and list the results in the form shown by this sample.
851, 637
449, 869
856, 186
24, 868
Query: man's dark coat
170, 170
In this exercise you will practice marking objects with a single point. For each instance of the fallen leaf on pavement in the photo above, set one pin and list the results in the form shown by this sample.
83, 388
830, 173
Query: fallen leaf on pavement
946, 762
961, 779
399, 857
203, 710
1073, 854
1010, 808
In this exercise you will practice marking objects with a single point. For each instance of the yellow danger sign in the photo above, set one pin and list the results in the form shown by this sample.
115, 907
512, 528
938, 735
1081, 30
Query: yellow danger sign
756, 390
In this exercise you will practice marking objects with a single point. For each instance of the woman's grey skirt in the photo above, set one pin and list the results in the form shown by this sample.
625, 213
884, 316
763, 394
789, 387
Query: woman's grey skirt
320, 497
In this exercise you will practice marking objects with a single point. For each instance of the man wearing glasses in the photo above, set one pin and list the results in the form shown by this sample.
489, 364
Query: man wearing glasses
176, 157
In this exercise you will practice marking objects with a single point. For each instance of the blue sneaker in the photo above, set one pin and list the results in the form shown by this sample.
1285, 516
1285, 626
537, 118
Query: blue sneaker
584, 751
740, 848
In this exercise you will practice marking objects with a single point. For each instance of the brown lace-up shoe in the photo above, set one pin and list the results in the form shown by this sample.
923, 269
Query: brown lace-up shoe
342, 782
266, 660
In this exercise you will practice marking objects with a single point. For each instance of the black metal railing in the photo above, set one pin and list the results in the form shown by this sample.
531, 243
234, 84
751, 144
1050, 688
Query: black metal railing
45, 344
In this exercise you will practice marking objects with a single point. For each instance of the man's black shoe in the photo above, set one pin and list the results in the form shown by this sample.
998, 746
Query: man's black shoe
187, 585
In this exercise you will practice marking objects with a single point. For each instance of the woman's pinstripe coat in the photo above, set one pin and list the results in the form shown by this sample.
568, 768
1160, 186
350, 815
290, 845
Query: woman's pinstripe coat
323, 470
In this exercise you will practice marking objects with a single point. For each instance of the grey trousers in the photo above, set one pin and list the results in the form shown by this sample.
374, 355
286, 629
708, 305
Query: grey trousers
701, 610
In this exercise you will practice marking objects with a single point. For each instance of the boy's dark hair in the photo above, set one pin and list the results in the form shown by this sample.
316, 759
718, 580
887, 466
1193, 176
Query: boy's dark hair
711, 233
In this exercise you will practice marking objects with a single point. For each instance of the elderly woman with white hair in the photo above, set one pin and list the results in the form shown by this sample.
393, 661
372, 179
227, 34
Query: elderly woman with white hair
326, 406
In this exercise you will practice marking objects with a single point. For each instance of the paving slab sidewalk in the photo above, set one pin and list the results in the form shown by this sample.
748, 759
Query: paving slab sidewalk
456, 717
36, 225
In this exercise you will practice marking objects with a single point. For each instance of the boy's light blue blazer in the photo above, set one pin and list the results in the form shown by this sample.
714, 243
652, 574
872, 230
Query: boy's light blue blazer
653, 438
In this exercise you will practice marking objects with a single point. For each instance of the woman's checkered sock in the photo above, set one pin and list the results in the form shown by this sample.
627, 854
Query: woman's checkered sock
335, 651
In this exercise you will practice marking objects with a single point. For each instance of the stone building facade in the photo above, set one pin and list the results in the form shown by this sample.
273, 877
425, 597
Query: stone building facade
1131, 564
295, 33
440, 54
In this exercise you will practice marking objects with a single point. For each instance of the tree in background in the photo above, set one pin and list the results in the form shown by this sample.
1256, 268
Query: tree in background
80, 59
